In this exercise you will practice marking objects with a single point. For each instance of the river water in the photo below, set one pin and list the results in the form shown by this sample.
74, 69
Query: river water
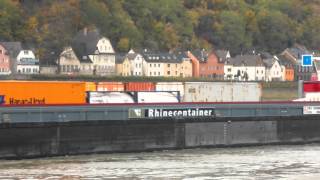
263, 162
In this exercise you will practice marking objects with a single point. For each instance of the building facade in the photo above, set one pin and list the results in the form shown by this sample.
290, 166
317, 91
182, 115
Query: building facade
27, 63
168, 64
245, 68
274, 71
123, 65
95, 53
4, 61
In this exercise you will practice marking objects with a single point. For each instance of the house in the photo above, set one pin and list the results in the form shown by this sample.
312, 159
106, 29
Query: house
223, 55
274, 71
69, 63
211, 64
195, 64
137, 63
316, 63
168, 64
245, 68
4, 61
288, 67
294, 54
27, 63
202, 57
95, 53
123, 66
12, 49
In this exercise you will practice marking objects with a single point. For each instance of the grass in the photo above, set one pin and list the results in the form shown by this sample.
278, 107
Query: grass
279, 94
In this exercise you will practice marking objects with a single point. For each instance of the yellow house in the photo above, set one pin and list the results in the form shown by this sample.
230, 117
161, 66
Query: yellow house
122, 66
168, 65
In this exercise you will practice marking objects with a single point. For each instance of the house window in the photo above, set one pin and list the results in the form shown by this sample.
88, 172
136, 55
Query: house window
158, 65
25, 52
0, 51
168, 65
176, 72
168, 72
154, 65
150, 73
229, 69
158, 73
150, 65
154, 73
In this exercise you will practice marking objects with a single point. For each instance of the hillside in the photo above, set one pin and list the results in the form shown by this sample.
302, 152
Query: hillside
237, 25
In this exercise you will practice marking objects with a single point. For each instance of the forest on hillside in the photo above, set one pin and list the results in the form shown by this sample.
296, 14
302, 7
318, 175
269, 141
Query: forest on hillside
163, 25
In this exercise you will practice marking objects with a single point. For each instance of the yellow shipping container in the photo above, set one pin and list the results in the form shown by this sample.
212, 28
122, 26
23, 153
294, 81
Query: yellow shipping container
91, 86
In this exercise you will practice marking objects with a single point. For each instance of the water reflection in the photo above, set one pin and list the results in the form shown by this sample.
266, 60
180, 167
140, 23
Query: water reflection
264, 162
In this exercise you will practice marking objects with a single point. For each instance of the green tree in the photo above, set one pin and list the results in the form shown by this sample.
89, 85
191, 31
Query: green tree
11, 21
123, 44
311, 33
227, 31
277, 31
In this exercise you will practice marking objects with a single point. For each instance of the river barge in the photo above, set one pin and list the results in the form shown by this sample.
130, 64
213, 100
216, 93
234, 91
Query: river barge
53, 130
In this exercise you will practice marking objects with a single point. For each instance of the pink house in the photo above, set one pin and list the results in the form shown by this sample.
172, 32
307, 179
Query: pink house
4, 61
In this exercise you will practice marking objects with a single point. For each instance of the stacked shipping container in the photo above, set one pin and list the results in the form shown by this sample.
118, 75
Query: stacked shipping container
55, 92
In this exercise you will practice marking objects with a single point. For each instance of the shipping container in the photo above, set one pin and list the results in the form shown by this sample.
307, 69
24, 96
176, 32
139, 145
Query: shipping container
311, 86
91, 86
158, 97
312, 96
171, 86
110, 86
222, 91
43, 92
140, 86
101, 97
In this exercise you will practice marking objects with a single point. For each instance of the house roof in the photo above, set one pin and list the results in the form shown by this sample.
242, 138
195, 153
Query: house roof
163, 57
120, 58
285, 61
269, 62
246, 60
317, 64
85, 43
266, 55
201, 55
13, 48
222, 55
297, 51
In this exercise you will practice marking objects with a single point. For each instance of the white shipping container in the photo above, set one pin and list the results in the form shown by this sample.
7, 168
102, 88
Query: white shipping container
109, 97
157, 97
222, 92
312, 96
171, 86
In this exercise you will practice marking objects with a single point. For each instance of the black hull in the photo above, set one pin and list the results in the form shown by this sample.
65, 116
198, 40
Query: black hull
28, 140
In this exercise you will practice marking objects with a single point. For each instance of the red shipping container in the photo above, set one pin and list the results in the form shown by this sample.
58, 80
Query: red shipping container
313, 86
140, 86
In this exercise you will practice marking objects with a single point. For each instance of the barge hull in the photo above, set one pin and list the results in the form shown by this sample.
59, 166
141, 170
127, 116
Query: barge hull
70, 138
